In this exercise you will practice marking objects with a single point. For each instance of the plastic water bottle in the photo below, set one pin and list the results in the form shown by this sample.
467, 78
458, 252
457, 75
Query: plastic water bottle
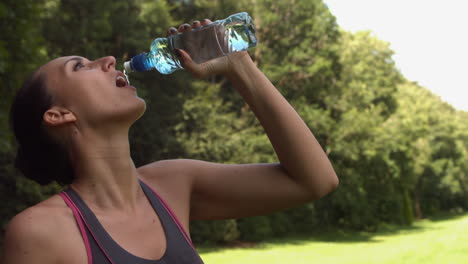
219, 38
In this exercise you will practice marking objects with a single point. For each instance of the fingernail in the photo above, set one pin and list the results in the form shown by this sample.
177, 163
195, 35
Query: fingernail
204, 20
173, 30
186, 26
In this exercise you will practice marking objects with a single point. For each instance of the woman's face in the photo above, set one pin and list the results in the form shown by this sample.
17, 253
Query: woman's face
93, 91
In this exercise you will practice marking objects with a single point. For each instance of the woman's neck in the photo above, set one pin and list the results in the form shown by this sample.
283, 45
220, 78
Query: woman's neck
105, 175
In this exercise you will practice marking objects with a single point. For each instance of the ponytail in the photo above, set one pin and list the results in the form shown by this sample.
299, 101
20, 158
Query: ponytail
39, 157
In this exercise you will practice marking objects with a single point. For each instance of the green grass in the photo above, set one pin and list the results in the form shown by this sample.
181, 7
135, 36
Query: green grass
442, 240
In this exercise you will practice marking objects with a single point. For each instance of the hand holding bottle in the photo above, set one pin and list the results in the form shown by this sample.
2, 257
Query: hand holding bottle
223, 65
203, 41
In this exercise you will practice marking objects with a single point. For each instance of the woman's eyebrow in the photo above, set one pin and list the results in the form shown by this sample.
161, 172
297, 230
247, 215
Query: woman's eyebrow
74, 58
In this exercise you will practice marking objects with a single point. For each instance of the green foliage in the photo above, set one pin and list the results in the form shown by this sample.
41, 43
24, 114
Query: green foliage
369, 75
214, 231
21, 51
298, 48
255, 228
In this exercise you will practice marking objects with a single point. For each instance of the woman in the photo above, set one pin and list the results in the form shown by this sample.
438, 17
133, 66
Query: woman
114, 212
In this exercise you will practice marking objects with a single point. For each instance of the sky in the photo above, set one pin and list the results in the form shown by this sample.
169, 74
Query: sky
429, 37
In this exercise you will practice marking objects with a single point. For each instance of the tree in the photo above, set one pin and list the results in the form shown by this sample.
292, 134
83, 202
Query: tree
364, 101
21, 51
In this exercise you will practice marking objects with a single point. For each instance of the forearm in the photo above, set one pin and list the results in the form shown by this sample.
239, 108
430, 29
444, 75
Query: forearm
296, 147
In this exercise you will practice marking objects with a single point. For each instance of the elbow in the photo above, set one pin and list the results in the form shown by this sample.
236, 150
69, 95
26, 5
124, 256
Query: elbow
334, 181
327, 186
331, 185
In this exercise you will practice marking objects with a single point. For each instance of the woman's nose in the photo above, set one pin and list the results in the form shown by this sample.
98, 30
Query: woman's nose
107, 63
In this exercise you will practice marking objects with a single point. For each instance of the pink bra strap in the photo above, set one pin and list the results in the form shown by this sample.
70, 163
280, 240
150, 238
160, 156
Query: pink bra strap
79, 221
82, 217
174, 217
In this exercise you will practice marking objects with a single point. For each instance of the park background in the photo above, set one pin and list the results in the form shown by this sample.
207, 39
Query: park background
399, 150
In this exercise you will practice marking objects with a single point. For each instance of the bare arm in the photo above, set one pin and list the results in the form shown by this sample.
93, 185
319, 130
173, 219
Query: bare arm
303, 174
301, 156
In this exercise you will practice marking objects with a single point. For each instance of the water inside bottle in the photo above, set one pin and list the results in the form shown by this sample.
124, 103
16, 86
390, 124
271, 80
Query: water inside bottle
214, 41
161, 56
202, 44
241, 37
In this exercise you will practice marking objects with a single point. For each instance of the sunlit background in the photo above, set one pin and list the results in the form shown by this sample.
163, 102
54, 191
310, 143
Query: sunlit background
428, 36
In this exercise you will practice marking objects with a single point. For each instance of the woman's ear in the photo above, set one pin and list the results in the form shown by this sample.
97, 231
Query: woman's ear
57, 116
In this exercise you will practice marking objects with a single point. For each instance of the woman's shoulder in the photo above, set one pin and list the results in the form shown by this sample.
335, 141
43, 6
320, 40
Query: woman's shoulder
167, 175
163, 171
168, 166
52, 212
171, 180
38, 227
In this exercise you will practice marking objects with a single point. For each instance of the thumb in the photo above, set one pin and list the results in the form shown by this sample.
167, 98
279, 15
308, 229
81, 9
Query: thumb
201, 70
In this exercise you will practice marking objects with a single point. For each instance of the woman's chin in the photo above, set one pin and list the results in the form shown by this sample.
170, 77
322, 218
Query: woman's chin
138, 110
141, 110
128, 115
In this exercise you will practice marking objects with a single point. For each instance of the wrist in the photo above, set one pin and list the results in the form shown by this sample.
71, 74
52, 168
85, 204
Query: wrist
240, 64
247, 79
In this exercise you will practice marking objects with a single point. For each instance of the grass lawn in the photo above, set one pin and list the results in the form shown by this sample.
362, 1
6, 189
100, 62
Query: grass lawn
442, 240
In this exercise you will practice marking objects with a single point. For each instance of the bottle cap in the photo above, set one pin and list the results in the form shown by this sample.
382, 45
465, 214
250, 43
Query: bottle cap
128, 66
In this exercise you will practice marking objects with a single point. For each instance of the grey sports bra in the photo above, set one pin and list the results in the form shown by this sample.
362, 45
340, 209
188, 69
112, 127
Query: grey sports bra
102, 249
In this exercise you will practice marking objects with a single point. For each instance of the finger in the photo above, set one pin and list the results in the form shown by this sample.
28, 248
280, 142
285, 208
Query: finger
205, 22
197, 70
171, 31
184, 28
196, 24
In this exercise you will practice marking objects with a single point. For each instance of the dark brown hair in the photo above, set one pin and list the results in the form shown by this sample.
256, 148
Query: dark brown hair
39, 157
